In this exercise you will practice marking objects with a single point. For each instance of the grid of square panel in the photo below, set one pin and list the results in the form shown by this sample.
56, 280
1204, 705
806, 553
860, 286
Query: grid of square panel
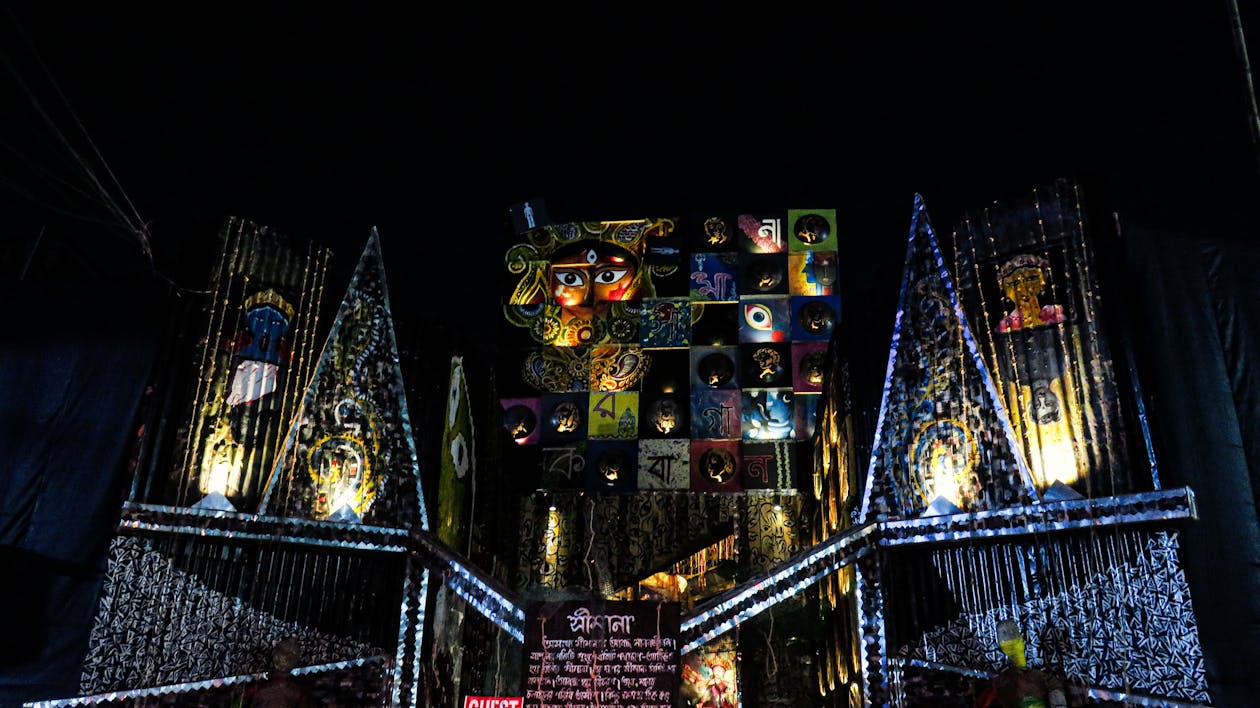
702, 374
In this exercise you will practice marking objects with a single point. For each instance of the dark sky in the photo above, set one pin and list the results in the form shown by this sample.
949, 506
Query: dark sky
429, 123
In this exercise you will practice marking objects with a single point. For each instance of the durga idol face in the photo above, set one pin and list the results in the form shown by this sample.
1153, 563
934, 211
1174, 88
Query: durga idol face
590, 272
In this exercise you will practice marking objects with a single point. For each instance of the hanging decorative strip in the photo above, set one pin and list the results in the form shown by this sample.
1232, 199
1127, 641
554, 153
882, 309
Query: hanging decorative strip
1112, 610
255, 356
1029, 286
459, 462
164, 621
456, 505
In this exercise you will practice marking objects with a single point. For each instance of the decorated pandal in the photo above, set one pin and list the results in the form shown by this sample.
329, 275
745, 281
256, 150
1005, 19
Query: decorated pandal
677, 425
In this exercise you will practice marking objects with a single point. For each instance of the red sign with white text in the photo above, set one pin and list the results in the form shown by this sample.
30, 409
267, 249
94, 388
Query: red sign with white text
493, 702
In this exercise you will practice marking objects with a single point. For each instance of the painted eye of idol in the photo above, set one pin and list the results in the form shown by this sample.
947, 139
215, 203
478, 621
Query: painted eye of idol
759, 317
570, 278
610, 276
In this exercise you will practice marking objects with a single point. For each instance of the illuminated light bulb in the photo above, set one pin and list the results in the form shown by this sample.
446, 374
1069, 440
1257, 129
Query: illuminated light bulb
220, 471
1056, 463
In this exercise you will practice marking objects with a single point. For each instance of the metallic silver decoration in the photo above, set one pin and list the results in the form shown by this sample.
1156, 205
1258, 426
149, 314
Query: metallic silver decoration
479, 589
937, 383
1163, 506
763, 591
175, 610
1091, 692
198, 522
1123, 623
355, 398
728, 609
194, 687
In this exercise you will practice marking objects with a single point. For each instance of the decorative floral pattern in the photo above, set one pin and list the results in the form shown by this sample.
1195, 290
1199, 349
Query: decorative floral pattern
772, 532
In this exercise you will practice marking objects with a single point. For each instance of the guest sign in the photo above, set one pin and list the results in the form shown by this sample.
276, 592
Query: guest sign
601, 652
491, 702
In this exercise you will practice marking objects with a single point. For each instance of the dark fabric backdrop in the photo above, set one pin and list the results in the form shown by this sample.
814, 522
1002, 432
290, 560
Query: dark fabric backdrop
73, 367
1195, 321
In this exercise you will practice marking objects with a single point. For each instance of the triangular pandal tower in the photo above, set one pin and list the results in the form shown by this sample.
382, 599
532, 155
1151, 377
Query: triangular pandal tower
350, 455
943, 443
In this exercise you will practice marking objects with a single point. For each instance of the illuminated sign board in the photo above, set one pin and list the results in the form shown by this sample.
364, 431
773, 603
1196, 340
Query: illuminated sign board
602, 652
492, 702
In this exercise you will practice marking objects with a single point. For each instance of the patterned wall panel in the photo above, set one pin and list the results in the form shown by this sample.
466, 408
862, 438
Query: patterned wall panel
350, 455
702, 329
179, 610
606, 542
1110, 610
942, 442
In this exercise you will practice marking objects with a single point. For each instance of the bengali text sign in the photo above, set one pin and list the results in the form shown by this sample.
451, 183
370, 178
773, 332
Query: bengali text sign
601, 652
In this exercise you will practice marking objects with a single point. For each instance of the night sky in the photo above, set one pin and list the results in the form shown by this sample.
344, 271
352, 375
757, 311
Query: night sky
430, 122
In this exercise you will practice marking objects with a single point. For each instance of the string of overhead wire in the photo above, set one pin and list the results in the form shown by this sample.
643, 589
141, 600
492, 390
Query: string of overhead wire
93, 184
244, 592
